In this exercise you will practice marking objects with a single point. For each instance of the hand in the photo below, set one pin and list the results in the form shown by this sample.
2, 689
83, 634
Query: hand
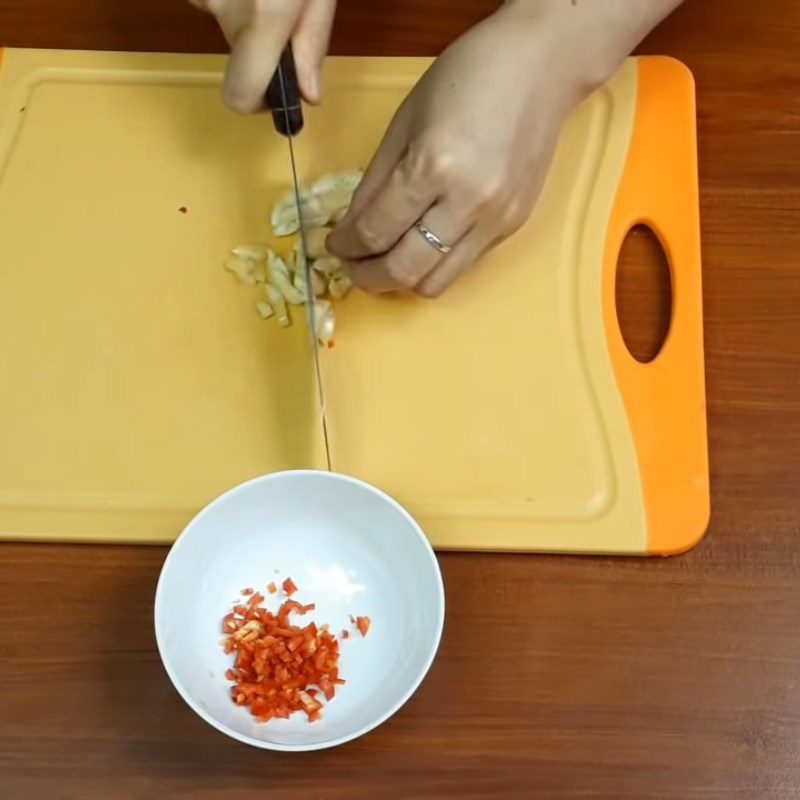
467, 153
469, 149
257, 31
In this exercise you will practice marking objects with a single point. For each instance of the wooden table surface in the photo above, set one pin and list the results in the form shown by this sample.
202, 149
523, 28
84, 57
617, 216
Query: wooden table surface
558, 677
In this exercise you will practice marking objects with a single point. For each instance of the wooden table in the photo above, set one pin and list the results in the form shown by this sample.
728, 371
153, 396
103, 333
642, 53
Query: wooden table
557, 677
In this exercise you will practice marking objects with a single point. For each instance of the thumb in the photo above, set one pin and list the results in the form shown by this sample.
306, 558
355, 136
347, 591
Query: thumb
257, 33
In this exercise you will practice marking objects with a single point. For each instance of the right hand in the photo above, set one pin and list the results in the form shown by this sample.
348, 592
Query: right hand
257, 31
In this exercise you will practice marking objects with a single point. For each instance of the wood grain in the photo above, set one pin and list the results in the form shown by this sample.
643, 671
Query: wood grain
558, 677
643, 293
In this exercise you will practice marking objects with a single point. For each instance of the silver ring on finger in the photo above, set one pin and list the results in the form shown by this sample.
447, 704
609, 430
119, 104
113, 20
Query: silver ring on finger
431, 238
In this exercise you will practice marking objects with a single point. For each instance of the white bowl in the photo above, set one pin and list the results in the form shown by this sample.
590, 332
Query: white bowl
350, 549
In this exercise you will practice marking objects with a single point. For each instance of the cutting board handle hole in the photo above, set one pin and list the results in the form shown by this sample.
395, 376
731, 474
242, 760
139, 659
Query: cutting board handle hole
643, 293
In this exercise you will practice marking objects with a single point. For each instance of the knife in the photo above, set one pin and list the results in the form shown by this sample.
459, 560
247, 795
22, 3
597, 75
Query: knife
283, 99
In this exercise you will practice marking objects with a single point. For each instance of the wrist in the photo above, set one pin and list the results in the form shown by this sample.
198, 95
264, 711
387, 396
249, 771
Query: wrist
582, 43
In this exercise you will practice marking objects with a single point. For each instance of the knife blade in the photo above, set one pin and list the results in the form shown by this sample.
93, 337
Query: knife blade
283, 98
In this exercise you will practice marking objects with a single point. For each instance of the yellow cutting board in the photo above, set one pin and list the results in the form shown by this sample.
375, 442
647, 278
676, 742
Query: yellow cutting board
138, 381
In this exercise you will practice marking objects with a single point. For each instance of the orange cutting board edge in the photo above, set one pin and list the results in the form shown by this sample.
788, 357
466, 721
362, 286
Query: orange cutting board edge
144, 384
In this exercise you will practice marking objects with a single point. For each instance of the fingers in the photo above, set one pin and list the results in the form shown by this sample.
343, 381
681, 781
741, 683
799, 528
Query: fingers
454, 264
386, 158
254, 57
374, 227
257, 35
504, 222
310, 44
408, 263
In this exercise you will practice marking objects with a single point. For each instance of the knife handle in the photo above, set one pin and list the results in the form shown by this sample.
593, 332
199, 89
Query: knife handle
283, 96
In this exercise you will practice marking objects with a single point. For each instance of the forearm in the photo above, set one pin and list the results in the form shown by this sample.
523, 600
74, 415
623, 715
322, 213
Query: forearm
589, 38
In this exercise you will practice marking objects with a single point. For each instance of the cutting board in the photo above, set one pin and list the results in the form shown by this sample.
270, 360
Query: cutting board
138, 382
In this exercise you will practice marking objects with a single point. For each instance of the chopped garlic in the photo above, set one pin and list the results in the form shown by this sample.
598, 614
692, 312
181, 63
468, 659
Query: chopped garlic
328, 198
335, 191
296, 262
339, 285
337, 181
324, 322
335, 201
318, 281
319, 284
255, 252
278, 276
299, 282
328, 266
244, 269
264, 309
315, 242
278, 303
325, 201
284, 217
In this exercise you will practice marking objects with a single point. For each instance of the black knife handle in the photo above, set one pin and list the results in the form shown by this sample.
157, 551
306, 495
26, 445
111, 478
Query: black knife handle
283, 96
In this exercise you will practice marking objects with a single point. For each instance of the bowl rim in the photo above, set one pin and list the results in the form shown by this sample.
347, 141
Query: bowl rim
267, 477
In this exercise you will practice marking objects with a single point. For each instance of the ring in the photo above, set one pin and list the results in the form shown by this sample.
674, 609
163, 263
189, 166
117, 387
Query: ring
431, 238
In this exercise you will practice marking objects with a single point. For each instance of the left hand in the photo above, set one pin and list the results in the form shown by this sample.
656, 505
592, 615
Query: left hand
467, 154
